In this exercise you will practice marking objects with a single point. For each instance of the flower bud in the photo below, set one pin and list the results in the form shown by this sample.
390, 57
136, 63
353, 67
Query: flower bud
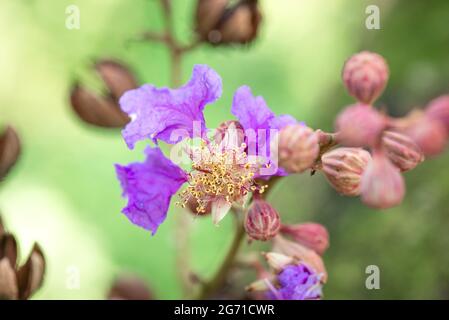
438, 109
360, 125
192, 205
427, 132
9, 150
382, 184
365, 75
129, 287
262, 221
343, 168
298, 148
219, 23
300, 253
230, 134
312, 235
401, 150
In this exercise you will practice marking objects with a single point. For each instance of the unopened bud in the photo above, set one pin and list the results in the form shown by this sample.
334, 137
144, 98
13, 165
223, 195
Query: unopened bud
343, 168
382, 184
262, 221
438, 109
312, 235
230, 134
9, 150
360, 125
218, 22
365, 75
427, 132
298, 148
401, 150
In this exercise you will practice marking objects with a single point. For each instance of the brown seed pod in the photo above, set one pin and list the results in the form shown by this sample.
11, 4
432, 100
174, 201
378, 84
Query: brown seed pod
96, 110
9, 150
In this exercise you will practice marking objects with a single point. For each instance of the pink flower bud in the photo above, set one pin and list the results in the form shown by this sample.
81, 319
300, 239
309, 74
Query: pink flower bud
360, 125
365, 75
343, 168
298, 148
382, 184
401, 150
438, 109
427, 132
262, 221
312, 235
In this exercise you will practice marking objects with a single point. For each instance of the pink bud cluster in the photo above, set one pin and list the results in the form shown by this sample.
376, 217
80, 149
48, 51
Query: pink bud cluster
395, 145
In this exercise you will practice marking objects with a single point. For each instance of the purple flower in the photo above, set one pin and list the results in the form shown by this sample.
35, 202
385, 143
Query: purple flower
157, 112
162, 114
297, 282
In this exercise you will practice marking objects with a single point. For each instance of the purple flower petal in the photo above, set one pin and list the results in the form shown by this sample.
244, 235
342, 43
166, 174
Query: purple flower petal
149, 187
157, 112
257, 119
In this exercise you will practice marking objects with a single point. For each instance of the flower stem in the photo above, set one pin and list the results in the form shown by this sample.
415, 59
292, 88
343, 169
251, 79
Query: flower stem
209, 288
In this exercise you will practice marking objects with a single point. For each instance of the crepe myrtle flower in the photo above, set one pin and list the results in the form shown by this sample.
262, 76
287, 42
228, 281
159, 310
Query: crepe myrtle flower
221, 174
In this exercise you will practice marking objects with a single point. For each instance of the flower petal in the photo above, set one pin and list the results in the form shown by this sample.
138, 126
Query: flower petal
149, 187
252, 112
220, 209
157, 112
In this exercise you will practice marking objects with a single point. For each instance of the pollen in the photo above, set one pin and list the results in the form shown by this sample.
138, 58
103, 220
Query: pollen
219, 173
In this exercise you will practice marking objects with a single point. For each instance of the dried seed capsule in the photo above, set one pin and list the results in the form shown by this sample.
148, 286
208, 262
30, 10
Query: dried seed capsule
117, 77
312, 235
438, 109
401, 150
218, 22
9, 150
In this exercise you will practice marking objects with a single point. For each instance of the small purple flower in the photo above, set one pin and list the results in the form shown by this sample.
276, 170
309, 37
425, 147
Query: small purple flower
297, 282
159, 114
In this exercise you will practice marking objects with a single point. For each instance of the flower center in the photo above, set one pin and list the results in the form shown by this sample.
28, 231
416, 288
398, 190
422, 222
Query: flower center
219, 173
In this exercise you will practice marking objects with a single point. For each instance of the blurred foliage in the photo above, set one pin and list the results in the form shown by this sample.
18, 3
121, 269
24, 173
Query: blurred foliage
64, 194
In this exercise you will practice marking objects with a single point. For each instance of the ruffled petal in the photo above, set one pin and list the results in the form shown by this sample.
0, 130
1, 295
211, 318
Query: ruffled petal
149, 187
257, 119
156, 112
252, 112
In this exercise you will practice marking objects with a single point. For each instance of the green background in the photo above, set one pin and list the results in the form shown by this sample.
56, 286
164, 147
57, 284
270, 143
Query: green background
64, 194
